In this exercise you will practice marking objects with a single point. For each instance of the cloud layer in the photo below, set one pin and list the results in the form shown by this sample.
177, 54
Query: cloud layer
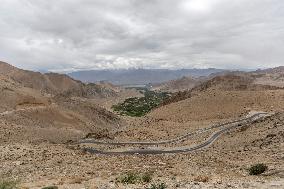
66, 35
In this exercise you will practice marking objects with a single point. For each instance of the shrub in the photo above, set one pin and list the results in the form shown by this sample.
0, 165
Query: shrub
129, 178
257, 169
146, 177
201, 178
8, 185
133, 178
50, 187
158, 186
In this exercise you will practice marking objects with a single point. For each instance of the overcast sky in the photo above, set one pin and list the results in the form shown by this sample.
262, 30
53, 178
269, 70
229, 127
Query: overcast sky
66, 35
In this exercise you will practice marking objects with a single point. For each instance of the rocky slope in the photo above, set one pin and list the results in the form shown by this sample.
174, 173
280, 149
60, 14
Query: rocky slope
38, 134
36, 107
272, 76
184, 83
53, 83
226, 82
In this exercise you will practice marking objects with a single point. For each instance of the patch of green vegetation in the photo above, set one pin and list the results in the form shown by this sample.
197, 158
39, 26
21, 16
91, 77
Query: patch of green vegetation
129, 178
50, 187
158, 186
137, 107
133, 178
146, 177
257, 169
4, 184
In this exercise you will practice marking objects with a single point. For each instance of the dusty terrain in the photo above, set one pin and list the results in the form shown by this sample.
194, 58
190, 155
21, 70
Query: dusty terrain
40, 131
181, 84
224, 163
272, 76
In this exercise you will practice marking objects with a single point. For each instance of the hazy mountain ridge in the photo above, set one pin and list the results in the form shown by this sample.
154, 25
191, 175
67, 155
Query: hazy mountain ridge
271, 76
139, 76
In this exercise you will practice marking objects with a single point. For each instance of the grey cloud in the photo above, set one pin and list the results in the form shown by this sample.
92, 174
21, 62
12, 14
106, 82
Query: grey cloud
67, 35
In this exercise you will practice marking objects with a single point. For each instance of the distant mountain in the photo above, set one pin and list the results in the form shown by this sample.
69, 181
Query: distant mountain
276, 70
139, 76
271, 76
234, 81
181, 84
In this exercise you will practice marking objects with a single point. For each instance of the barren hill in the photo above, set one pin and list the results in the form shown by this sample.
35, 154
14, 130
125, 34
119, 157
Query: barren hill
227, 82
272, 76
53, 83
279, 69
13, 95
221, 98
184, 83
29, 113
40, 134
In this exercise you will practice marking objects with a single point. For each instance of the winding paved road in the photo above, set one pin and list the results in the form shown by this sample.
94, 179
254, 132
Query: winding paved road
208, 142
178, 139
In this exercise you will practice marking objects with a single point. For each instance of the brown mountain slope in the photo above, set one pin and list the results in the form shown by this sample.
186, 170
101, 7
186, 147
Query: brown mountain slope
31, 138
30, 115
13, 95
227, 82
184, 83
272, 76
279, 69
57, 123
53, 83
202, 110
215, 104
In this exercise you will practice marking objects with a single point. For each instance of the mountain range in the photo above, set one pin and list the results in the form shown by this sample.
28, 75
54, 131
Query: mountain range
139, 76
45, 117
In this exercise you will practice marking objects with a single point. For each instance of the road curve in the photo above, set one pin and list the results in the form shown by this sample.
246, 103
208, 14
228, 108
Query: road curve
207, 143
174, 140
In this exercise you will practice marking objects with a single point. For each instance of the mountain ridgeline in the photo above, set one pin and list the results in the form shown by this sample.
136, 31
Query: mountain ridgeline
139, 76
54, 83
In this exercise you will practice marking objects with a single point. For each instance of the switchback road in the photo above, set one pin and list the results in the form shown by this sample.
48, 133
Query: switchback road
225, 127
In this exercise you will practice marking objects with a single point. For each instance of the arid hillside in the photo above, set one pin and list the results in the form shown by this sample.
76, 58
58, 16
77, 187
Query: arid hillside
53, 83
228, 82
184, 83
13, 95
272, 76
219, 99
40, 135
30, 113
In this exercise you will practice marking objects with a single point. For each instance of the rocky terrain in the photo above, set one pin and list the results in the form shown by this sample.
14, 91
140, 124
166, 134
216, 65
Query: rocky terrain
184, 83
233, 81
53, 83
273, 76
37, 115
44, 116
